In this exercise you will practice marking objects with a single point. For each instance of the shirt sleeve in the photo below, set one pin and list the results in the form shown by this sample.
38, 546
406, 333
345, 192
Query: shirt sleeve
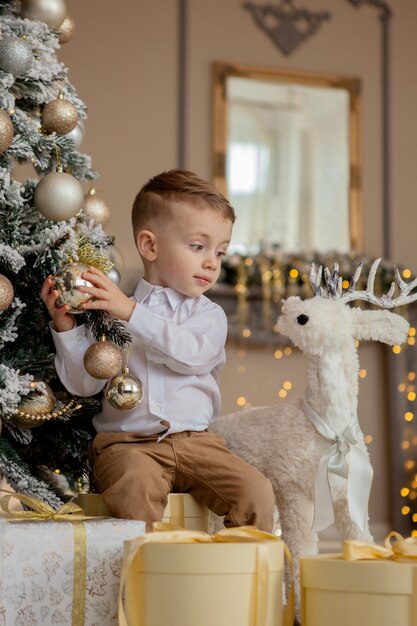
196, 346
69, 361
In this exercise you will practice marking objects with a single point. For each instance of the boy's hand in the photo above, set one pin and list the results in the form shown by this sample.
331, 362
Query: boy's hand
63, 320
107, 295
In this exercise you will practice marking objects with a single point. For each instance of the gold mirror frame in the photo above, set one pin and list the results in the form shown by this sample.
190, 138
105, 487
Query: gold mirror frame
222, 71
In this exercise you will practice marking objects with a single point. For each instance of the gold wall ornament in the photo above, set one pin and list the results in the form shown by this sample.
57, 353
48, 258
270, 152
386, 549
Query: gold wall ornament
285, 24
103, 359
68, 281
6, 131
59, 116
6, 293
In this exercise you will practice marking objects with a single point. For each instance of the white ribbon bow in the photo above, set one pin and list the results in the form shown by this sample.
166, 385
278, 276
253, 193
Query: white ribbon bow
358, 473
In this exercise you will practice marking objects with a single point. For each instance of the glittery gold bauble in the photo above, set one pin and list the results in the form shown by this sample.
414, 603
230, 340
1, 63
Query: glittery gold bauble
52, 12
124, 391
6, 293
58, 196
103, 359
66, 30
59, 116
34, 409
68, 281
96, 209
6, 131
15, 56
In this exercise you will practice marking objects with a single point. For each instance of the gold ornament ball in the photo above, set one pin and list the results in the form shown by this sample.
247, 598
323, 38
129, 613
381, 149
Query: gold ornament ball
66, 30
103, 359
124, 391
59, 116
16, 56
96, 209
6, 131
52, 12
68, 281
35, 406
58, 196
6, 293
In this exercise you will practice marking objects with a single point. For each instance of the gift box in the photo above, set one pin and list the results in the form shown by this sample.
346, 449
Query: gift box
183, 510
359, 593
189, 578
63, 573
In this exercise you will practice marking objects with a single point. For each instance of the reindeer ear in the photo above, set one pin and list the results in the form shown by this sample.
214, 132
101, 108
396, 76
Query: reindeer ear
380, 325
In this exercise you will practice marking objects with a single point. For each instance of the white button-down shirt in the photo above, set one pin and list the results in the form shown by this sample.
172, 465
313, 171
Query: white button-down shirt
177, 351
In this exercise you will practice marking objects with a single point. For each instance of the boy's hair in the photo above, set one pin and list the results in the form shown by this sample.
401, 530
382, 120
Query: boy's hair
154, 199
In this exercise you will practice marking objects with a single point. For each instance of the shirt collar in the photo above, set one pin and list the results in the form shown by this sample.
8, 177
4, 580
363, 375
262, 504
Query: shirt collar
144, 289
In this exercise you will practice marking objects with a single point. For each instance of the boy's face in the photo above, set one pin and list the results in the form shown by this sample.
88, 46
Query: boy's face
189, 250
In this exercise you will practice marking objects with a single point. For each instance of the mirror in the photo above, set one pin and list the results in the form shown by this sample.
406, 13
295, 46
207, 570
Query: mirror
286, 152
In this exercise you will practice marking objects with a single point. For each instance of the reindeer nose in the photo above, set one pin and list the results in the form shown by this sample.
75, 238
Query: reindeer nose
302, 319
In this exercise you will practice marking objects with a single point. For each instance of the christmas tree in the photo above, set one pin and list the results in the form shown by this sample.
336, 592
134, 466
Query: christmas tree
45, 224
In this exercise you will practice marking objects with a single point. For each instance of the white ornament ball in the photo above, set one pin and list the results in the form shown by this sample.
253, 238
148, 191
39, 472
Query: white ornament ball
76, 135
52, 12
58, 196
16, 56
114, 276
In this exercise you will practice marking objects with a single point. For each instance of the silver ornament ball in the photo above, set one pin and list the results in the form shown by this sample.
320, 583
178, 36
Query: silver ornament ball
58, 196
124, 391
68, 281
52, 12
16, 56
116, 257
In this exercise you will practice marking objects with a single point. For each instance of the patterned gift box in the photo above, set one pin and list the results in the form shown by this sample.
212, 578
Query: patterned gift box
360, 593
62, 573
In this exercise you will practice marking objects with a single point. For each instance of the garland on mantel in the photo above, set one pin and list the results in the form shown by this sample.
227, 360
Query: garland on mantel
251, 288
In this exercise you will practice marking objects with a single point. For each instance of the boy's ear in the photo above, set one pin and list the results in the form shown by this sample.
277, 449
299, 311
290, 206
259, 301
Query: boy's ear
146, 243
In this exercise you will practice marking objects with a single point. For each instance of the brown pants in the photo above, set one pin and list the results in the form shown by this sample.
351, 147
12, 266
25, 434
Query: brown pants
135, 474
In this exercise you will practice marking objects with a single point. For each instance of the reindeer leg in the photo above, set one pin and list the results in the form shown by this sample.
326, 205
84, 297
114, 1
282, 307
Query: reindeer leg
347, 528
296, 514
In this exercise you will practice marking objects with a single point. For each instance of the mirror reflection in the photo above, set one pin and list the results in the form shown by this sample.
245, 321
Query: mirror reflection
287, 157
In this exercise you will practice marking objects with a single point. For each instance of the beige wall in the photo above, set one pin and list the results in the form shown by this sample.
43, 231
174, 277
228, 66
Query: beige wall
123, 62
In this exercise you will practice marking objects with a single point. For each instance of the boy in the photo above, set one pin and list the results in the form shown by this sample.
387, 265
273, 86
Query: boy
182, 226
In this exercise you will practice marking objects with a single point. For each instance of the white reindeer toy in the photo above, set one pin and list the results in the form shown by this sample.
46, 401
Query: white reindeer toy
312, 448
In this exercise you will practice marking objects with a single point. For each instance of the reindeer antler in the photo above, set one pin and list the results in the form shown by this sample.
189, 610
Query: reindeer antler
333, 287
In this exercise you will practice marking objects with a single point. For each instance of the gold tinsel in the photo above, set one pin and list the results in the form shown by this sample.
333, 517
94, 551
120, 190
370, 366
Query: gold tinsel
89, 255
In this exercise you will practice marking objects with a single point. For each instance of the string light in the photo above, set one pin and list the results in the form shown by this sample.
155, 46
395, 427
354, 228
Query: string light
282, 393
362, 373
411, 376
411, 396
246, 332
396, 349
405, 510
287, 385
368, 439
406, 273
278, 354
241, 401
401, 387
404, 492
409, 416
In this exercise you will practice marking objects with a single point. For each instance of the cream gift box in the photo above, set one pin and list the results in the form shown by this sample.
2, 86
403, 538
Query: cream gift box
63, 573
189, 578
181, 510
358, 593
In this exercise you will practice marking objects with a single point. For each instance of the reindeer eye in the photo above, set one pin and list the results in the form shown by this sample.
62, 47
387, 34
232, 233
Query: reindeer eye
302, 319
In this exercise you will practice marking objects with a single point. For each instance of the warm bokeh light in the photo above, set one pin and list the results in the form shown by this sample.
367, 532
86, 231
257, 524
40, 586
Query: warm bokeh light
293, 273
409, 416
278, 354
287, 385
396, 349
362, 373
407, 273
368, 439
246, 332
411, 376
411, 396
404, 492
282, 393
405, 510
241, 401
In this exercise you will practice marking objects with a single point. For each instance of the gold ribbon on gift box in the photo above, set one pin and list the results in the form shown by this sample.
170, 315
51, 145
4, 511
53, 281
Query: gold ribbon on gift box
399, 550
68, 512
167, 533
